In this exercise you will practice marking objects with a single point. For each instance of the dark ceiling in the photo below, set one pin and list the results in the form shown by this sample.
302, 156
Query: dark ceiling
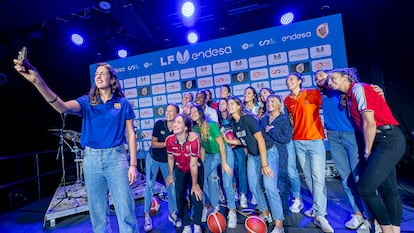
376, 35
146, 25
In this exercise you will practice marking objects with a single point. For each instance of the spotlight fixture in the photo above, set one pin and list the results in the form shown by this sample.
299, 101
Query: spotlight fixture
122, 53
77, 39
104, 5
287, 18
187, 9
192, 37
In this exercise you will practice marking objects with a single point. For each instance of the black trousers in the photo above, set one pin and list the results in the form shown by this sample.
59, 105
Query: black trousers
379, 177
183, 182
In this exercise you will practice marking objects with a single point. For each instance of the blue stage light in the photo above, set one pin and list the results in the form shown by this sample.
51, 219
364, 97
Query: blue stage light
287, 18
122, 53
187, 9
192, 37
77, 39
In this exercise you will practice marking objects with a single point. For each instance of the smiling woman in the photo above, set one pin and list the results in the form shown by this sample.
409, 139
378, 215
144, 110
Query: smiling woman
103, 110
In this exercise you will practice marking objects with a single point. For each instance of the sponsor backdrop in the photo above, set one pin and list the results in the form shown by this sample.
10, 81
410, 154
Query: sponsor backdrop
261, 58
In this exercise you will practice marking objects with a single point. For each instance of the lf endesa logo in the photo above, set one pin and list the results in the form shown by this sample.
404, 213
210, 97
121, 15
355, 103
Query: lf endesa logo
183, 58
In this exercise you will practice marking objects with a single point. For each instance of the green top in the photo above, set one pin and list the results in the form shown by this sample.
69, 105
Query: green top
210, 145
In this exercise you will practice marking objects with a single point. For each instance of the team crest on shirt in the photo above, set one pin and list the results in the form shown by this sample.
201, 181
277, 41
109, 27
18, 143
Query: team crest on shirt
117, 105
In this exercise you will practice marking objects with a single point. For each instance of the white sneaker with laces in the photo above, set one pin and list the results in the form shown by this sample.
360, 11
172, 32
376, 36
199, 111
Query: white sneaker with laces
310, 213
197, 229
296, 206
232, 219
323, 223
278, 230
173, 218
204, 214
355, 222
147, 223
243, 200
187, 229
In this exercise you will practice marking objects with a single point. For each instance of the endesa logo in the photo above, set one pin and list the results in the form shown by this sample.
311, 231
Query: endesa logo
297, 36
184, 57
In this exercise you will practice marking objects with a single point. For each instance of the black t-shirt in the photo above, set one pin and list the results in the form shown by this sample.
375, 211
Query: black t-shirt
247, 126
161, 132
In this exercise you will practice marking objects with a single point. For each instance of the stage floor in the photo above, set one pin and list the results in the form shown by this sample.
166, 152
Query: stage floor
30, 218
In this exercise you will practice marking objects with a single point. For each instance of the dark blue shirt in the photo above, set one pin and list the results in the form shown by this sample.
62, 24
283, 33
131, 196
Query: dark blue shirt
103, 125
244, 130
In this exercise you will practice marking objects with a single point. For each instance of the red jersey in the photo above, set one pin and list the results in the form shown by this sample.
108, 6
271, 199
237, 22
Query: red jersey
182, 153
307, 124
362, 97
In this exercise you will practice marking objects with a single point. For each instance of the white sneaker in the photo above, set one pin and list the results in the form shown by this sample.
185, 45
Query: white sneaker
266, 218
355, 222
187, 229
204, 214
253, 200
173, 218
296, 206
377, 228
232, 219
365, 227
278, 230
147, 224
243, 200
309, 212
197, 229
323, 223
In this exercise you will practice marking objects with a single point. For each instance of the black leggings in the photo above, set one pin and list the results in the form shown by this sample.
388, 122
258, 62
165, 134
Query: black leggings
182, 181
377, 184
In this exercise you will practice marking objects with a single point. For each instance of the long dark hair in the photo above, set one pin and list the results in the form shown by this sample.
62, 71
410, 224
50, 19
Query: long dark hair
115, 87
204, 127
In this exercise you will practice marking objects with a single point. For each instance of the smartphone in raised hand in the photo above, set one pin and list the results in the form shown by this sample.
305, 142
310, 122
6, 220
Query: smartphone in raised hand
22, 54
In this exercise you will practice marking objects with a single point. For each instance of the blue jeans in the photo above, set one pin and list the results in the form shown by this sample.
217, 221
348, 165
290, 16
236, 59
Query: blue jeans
344, 152
106, 171
254, 176
293, 170
311, 155
240, 168
151, 171
211, 179
228, 180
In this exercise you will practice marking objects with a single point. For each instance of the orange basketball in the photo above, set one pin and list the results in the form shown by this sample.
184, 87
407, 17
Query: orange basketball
155, 205
254, 224
216, 222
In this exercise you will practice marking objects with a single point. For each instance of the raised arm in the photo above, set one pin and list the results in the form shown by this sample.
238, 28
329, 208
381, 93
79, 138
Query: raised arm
25, 69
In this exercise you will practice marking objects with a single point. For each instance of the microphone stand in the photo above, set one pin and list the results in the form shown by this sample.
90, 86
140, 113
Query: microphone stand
61, 154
